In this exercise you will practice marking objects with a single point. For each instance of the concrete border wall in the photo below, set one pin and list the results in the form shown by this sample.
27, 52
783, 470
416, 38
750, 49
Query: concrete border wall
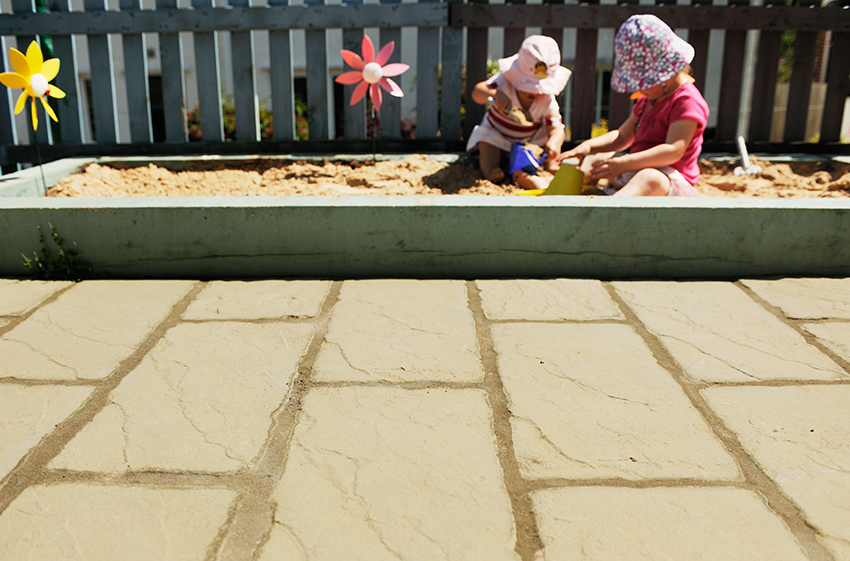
438, 236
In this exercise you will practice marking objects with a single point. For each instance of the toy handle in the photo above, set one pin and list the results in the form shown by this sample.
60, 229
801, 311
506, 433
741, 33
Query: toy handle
742, 151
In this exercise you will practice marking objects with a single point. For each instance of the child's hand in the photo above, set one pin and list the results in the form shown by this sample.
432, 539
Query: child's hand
607, 168
502, 102
552, 152
580, 152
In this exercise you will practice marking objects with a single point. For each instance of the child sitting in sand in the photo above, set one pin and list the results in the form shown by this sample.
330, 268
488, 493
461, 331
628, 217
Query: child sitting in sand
524, 108
664, 131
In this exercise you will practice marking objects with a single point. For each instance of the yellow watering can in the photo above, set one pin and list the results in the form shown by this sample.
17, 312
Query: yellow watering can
568, 180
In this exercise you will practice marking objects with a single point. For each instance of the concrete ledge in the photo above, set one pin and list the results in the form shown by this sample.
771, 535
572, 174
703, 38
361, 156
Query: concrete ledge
438, 236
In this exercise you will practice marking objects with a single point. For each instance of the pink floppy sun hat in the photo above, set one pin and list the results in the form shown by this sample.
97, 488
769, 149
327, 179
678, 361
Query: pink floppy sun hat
536, 68
646, 53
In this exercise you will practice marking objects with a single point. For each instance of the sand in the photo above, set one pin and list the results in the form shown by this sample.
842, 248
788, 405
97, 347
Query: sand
416, 175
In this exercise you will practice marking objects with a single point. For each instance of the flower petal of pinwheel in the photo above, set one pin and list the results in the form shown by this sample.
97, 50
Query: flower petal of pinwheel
359, 92
368, 49
50, 68
375, 95
35, 58
34, 116
385, 54
391, 87
22, 99
395, 69
55, 92
13, 80
19, 63
350, 77
49, 109
353, 59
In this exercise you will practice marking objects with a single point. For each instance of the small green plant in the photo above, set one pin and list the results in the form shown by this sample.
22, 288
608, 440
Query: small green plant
228, 115
67, 264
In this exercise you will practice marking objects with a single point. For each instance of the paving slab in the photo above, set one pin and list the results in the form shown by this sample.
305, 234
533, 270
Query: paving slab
836, 336
104, 523
590, 401
258, 300
718, 333
88, 330
20, 296
202, 401
800, 435
386, 473
567, 299
658, 524
28, 413
806, 298
400, 330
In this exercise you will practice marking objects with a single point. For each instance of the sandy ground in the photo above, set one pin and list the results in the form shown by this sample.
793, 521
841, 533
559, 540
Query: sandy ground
416, 175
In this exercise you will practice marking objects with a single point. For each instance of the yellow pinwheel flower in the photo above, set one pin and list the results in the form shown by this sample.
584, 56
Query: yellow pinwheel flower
33, 74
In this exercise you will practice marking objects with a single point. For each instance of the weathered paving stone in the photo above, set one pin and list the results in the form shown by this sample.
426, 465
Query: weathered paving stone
717, 333
88, 330
201, 401
547, 300
400, 330
657, 524
806, 298
385, 474
800, 436
105, 523
27, 414
836, 336
259, 300
20, 296
590, 401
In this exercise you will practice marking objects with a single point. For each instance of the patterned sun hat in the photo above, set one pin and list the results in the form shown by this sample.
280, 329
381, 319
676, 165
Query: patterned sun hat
646, 53
536, 68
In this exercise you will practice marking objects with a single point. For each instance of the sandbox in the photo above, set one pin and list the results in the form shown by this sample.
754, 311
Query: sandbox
428, 235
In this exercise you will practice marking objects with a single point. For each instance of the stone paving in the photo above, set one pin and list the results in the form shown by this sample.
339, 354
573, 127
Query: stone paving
408, 419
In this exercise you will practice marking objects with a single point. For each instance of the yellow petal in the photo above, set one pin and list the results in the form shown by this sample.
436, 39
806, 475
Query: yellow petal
50, 68
19, 63
34, 116
49, 109
13, 80
19, 106
35, 58
56, 92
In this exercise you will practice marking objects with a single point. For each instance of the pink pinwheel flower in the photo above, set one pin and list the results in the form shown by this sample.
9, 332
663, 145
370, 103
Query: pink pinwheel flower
372, 71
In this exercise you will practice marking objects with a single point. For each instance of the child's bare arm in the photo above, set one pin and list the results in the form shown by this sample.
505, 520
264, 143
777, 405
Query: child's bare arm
611, 141
679, 136
552, 148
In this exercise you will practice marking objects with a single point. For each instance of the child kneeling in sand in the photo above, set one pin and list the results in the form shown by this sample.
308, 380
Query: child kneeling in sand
664, 131
524, 108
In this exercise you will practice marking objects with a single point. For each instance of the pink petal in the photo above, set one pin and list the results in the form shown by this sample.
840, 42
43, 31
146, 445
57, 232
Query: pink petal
353, 59
359, 92
394, 69
368, 49
385, 53
375, 94
350, 77
391, 87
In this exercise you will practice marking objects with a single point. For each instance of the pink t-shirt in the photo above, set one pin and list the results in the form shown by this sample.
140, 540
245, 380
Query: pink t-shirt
685, 103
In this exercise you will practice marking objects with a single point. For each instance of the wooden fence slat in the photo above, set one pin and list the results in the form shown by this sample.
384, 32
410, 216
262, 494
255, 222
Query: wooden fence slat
280, 67
355, 115
103, 81
427, 82
451, 88
557, 33
244, 97
619, 104
8, 132
838, 86
514, 36
699, 38
476, 70
800, 88
136, 73
316, 46
584, 83
42, 135
69, 109
391, 106
209, 80
764, 85
731, 80
173, 80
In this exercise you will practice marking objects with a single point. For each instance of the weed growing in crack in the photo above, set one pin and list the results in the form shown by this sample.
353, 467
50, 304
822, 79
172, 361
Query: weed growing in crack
67, 264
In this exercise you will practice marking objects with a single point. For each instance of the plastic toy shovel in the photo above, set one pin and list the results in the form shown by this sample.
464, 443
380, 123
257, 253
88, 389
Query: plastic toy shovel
568, 180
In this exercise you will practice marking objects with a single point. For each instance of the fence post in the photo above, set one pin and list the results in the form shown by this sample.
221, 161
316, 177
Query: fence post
136, 75
245, 81
103, 81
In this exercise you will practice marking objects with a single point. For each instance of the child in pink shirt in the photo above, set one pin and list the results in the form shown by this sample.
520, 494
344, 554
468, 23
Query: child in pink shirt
664, 131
